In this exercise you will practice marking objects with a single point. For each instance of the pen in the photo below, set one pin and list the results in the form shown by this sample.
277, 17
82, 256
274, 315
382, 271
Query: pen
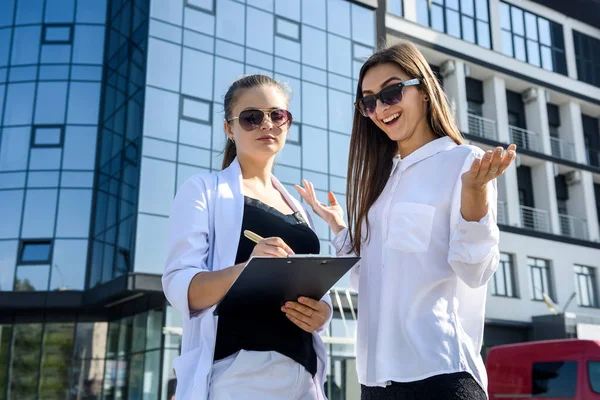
253, 236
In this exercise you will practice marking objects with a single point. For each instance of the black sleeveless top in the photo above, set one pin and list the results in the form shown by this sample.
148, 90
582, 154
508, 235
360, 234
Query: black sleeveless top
269, 330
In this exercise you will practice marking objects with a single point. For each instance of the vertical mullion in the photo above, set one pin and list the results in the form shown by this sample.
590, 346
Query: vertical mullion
504, 275
11, 346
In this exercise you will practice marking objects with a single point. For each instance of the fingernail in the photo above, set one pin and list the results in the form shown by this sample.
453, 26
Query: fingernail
301, 299
488, 154
477, 160
511, 153
283, 309
499, 151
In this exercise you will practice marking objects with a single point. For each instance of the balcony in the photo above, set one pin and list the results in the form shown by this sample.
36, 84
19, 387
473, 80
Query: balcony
574, 227
562, 149
593, 157
535, 219
482, 127
525, 139
502, 214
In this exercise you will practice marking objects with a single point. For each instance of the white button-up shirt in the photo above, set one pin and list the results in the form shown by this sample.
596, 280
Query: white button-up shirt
423, 273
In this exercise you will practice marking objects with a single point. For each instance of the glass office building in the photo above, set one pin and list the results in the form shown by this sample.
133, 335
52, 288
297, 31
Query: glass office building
107, 106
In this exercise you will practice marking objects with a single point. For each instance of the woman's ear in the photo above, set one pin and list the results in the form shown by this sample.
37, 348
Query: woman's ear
227, 130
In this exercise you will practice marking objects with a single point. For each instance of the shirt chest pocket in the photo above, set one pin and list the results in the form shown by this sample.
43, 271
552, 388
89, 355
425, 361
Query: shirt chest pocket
410, 227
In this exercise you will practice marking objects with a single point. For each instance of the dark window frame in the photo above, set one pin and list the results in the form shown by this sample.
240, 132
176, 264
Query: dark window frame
586, 58
283, 35
476, 18
184, 97
502, 265
204, 10
554, 49
549, 291
25, 242
45, 31
591, 277
34, 128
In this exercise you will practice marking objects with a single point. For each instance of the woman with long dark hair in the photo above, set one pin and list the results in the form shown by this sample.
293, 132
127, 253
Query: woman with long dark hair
422, 215
264, 353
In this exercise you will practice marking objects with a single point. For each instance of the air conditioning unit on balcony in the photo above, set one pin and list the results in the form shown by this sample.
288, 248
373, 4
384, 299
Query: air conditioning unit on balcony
447, 68
530, 95
573, 178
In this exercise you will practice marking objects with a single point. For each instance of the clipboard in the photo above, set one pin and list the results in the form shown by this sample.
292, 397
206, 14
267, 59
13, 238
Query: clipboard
267, 282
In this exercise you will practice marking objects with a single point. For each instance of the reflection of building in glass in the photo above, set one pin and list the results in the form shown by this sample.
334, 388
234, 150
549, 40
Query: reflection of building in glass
107, 106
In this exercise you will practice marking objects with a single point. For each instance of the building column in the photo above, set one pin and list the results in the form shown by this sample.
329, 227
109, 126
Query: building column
571, 128
570, 51
453, 72
581, 183
495, 25
494, 107
544, 188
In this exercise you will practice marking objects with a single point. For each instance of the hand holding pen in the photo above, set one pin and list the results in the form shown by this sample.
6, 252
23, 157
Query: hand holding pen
308, 314
269, 247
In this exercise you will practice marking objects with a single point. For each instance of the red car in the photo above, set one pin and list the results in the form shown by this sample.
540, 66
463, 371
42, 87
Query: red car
553, 369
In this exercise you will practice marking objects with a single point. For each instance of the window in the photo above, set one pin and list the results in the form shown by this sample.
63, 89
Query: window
585, 286
202, 5
587, 56
287, 29
465, 19
554, 379
194, 109
47, 136
57, 34
502, 282
594, 375
474, 96
35, 252
553, 119
395, 7
532, 39
540, 278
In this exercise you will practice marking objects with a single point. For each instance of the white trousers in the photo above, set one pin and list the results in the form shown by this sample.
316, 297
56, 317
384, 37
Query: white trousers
260, 375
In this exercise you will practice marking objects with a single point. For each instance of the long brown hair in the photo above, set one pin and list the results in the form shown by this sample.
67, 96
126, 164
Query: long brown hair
245, 82
372, 151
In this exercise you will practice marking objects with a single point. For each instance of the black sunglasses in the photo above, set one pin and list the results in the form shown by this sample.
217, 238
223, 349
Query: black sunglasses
390, 95
251, 119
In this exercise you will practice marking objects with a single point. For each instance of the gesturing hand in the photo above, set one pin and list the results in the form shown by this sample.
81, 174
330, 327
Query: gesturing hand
332, 214
490, 166
308, 314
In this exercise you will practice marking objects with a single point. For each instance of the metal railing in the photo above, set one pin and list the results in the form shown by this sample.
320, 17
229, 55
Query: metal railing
593, 157
534, 218
562, 149
525, 139
482, 127
574, 227
502, 214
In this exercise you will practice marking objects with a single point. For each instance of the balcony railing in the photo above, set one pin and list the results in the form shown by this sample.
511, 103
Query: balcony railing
502, 215
562, 149
482, 127
593, 157
536, 219
525, 139
574, 227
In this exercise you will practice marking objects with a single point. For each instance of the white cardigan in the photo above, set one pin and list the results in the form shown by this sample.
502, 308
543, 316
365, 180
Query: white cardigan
208, 208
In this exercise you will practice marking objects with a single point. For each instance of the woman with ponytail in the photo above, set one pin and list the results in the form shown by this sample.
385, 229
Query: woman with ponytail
267, 353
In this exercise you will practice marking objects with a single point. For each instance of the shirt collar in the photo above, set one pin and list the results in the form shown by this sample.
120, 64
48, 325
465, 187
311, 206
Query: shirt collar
430, 149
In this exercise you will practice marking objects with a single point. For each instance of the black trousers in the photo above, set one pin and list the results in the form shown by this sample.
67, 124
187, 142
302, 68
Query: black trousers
456, 386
